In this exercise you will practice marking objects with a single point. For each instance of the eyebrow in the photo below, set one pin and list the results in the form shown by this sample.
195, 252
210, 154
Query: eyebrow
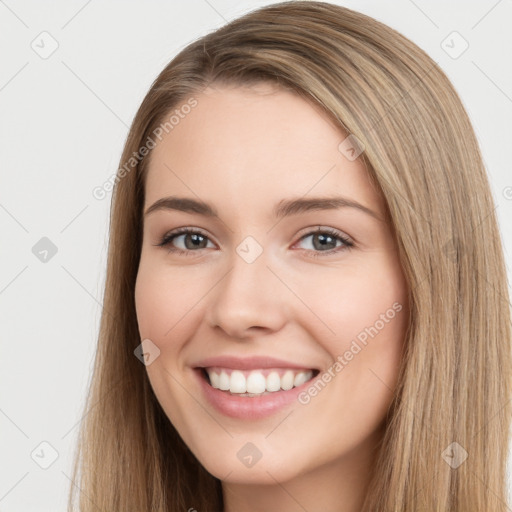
284, 208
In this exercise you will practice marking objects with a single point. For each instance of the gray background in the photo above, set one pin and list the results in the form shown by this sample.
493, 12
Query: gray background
64, 119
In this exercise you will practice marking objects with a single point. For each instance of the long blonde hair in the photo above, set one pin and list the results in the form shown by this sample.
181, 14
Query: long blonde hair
421, 151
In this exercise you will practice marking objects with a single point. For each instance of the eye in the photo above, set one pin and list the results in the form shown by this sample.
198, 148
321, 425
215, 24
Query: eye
326, 241
188, 239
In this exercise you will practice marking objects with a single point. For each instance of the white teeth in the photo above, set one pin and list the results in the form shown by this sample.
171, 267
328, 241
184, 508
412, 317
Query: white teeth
237, 383
256, 383
215, 379
287, 380
273, 381
300, 378
223, 381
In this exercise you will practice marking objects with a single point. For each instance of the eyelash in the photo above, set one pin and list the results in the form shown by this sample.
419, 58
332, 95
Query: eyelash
348, 244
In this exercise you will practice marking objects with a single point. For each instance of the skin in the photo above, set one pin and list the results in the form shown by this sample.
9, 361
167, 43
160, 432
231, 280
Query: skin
244, 149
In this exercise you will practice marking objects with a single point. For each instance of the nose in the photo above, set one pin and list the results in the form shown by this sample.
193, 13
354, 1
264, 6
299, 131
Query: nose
249, 300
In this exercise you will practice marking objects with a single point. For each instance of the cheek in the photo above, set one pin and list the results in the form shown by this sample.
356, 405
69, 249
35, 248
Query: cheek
165, 302
351, 302
165, 313
368, 313
360, 319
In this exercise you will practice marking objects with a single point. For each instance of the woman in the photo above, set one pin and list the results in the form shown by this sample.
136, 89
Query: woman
240, 365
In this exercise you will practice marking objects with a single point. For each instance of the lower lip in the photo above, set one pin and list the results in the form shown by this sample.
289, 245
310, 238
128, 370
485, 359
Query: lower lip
247, 407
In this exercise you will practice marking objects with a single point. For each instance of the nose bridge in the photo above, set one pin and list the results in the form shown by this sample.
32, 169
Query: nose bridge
249, 295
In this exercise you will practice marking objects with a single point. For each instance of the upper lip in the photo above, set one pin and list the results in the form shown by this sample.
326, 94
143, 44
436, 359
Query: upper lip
249, 363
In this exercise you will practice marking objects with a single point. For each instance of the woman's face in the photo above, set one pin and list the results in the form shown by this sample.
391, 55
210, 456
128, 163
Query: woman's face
288, 276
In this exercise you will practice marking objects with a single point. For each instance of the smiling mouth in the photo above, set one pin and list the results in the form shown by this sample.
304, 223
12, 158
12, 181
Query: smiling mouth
259, 382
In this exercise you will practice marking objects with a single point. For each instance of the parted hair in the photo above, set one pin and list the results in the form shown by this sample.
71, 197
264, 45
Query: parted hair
421, 151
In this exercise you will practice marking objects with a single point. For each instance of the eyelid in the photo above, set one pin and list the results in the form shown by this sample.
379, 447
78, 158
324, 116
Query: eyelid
347, 241
310, 230
175, 233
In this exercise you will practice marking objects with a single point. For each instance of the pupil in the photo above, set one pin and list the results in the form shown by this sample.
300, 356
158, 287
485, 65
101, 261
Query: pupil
195, 240
323, 240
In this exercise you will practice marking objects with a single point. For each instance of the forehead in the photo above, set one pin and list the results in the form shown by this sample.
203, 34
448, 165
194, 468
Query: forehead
254, 146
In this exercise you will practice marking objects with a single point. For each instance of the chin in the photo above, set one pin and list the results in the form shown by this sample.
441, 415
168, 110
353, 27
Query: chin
252, 462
